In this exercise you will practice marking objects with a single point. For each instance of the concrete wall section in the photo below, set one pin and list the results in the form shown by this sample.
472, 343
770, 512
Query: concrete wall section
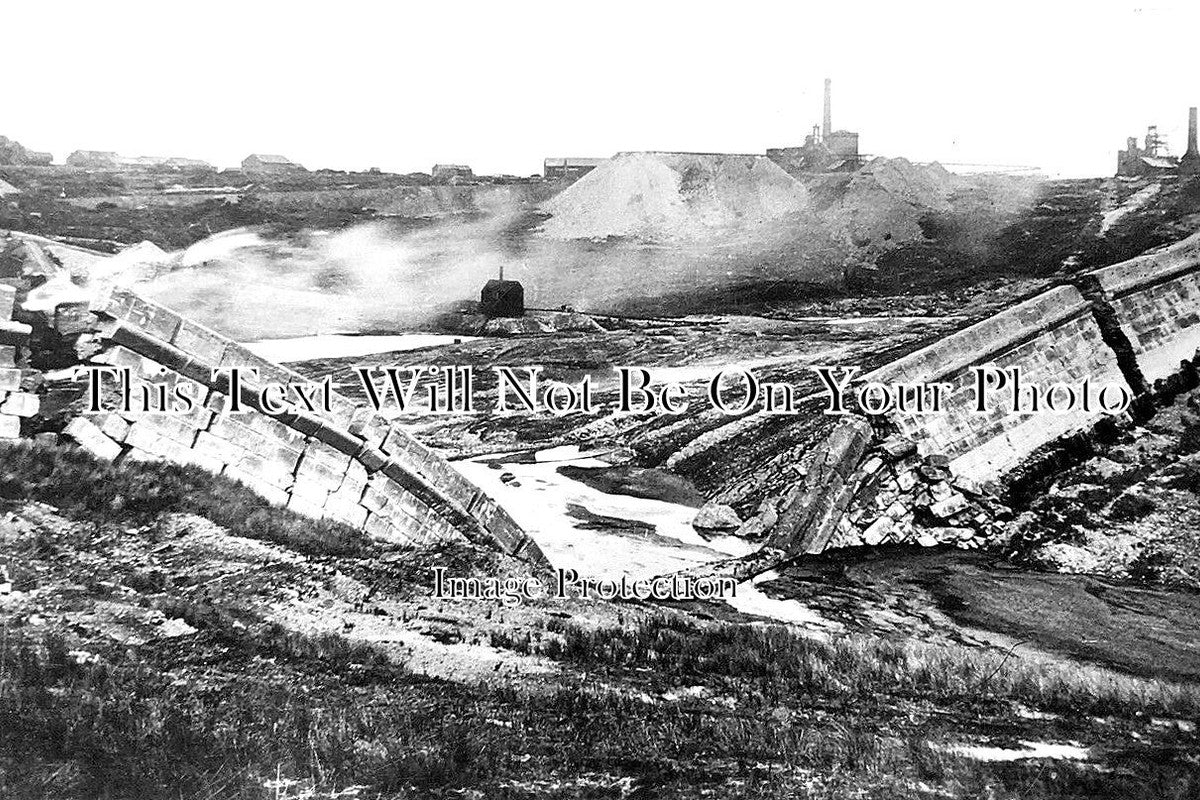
15, 404
1051, 338
346, 463
1156, 300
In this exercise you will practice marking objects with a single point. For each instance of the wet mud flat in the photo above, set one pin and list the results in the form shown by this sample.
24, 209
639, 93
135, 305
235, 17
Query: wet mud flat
972, 597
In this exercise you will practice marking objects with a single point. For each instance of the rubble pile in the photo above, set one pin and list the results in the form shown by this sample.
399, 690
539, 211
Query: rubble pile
901, 497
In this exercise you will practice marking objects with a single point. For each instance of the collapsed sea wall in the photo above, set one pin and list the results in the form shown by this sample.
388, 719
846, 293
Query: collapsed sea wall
1052, 338
937, 478
346, 462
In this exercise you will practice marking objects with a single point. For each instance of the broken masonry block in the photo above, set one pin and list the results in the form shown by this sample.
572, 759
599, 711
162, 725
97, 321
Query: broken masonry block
10, 427
339, 439
87, 435
14, 332
948, 507
877, 530
73, 318
20, 404
933, 474
897, 446
200, 343
371, 458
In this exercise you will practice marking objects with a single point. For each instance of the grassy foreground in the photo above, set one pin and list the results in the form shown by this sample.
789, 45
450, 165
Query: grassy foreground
661, 705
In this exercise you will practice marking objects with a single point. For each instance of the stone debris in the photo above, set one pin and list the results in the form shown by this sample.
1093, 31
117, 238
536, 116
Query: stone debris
914, 500
716, 517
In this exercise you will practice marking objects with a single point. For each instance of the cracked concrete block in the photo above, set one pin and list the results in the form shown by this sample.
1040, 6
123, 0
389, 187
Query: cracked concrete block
148, 439
374, 500
272, 494
210, 445
88, 436
10, 380
383, 529
14, 333
168, 426
265, 470
369, 425
301, 505
371, 458
340, 440
152, 318
20, 404
351, 514
8, 356
10, 427
878, 530
199, 342
317, 473
73, 318
310, 494
195, 458
949, 506
111, 425
283, 458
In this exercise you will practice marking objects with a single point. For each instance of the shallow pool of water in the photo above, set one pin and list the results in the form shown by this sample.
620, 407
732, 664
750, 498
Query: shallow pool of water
332, 345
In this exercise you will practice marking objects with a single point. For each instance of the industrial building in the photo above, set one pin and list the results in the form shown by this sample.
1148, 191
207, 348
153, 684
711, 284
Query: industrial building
1153, 158
824, 149
108, 160
573, 168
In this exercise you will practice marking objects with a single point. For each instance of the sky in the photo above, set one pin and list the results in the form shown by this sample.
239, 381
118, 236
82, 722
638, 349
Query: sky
502, 85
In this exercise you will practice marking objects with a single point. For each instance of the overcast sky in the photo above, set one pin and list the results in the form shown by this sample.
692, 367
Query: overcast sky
501, 85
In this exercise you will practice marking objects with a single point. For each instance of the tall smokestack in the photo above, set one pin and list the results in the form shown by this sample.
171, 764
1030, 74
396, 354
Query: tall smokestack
1190, 163
827, 125
1191, 148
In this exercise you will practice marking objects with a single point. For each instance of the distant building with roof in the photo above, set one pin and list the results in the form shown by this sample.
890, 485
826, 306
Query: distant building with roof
188, 164
270, 163
451, 173
569, 167
38, 158
1152, 159
94, 159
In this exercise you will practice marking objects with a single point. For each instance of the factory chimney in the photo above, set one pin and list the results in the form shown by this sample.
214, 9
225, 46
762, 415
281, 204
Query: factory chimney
827, 125
1190, 163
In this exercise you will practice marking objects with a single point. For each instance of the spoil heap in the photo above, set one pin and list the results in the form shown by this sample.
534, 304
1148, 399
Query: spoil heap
885, 200
673, 196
